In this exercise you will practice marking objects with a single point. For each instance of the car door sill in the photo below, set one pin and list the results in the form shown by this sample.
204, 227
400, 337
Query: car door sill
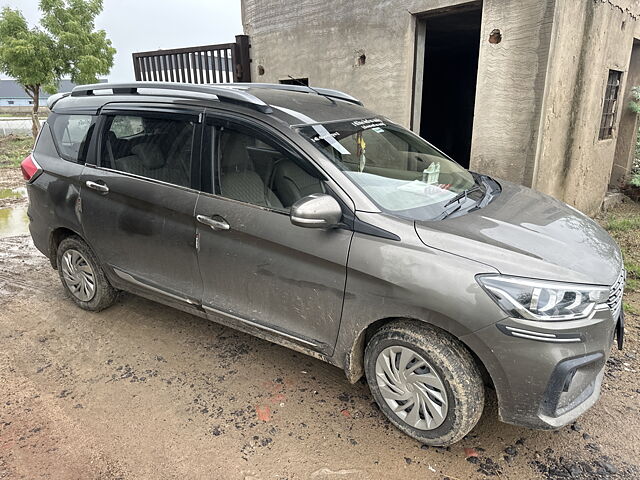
131, 279
320, 347
271, 330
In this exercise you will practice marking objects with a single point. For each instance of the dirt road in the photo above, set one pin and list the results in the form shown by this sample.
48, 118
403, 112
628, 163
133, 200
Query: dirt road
141, 391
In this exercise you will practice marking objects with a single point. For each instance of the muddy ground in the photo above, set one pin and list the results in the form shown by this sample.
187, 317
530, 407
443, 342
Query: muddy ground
142, 391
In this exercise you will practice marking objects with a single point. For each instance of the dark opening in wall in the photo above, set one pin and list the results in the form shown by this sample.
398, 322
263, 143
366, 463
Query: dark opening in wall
449, 81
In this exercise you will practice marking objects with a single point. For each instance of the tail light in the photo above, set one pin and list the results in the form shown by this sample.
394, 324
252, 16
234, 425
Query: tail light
30, 169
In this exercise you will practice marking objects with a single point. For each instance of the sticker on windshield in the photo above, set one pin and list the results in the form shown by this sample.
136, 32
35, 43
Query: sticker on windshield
368, 123
378, 129
325, 136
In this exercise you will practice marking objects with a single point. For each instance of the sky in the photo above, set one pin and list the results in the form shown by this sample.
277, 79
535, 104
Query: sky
141, 25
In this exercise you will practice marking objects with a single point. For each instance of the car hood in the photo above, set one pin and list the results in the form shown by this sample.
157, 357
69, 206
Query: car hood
526, 233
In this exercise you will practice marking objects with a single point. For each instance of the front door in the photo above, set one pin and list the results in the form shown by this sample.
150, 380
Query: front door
257, 267
138, 200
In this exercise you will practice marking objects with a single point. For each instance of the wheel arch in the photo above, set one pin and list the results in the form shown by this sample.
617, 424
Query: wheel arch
55, 238
354, 361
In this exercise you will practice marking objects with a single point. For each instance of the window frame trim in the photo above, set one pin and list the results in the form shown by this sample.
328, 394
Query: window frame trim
156, 111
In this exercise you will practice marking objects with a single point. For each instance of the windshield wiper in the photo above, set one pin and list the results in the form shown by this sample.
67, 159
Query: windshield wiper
445, 214
462, 195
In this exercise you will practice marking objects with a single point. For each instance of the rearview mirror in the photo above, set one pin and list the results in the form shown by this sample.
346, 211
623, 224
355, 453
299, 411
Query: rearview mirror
317, 210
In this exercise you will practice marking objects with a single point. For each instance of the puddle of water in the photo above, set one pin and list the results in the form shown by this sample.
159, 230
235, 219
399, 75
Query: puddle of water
13, 221
13, 192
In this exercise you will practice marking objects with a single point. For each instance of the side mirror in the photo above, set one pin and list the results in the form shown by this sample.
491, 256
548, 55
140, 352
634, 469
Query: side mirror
317, 210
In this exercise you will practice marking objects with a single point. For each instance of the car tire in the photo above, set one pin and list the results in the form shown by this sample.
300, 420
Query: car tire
432, 374
82, 277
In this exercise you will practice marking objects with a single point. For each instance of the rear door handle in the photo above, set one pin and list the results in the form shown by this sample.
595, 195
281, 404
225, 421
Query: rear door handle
217, 223
100, 187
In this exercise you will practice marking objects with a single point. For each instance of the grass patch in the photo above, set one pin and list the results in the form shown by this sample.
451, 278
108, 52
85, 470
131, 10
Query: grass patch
633, 269
630, 309
13, 149
623, 224
632, 284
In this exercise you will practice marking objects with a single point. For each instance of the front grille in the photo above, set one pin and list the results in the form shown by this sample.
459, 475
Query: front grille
615, 297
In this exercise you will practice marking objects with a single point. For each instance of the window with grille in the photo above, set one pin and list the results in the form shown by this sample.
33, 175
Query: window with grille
610, 105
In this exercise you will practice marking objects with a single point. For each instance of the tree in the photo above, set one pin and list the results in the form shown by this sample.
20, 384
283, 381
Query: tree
64, 44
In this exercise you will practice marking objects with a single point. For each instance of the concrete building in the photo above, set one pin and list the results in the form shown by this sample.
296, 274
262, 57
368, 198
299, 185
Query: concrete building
13, 95
531, 91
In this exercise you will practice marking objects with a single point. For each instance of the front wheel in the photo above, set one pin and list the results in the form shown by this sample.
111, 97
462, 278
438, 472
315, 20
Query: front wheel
425, 381
82, 277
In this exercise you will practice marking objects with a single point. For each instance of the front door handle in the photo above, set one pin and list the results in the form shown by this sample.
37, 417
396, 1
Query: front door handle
100, 187
217, 222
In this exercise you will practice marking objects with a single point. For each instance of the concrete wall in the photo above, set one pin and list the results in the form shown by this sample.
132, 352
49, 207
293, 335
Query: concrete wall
589, 38
510, 88
539, 90
323, 40
628, 128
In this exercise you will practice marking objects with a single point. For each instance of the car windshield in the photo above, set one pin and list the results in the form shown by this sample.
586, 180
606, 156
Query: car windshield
398, 170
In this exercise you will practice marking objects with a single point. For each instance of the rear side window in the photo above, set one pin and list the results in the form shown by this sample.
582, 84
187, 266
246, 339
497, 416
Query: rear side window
149, 146
71, 134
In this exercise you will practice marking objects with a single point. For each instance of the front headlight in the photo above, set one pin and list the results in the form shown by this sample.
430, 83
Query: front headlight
542, 300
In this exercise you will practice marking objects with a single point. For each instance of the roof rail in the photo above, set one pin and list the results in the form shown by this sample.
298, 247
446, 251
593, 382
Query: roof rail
327, 92
53, 99
222, 94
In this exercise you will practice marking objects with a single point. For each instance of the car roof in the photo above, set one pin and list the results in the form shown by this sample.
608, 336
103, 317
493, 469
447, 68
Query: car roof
292, 104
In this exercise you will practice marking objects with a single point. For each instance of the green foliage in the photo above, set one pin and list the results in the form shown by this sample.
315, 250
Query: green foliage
64, 44
633, 269
634, 179
630, 309
623, 224
634, 104
27, 55
83, 53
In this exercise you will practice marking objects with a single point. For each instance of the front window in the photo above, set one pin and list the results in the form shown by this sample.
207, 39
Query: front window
399, 171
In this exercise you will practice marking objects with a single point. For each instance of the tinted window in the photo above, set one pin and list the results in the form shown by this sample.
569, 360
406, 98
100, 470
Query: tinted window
255, 170
151, 147
70, 134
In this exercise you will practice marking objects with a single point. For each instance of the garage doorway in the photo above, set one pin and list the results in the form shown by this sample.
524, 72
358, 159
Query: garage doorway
447, 50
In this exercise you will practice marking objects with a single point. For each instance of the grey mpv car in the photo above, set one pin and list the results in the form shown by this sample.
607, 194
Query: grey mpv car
301, 217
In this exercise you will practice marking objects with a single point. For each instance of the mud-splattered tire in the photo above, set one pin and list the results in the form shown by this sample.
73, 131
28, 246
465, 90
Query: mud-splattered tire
429, 373
82, 277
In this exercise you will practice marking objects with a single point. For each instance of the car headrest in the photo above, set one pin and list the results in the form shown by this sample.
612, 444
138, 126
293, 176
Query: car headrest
235, 157
150, 154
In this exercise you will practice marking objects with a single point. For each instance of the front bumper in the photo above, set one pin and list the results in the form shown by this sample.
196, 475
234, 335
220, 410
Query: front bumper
546, 374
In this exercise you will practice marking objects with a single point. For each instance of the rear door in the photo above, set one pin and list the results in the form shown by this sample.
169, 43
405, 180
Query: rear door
257, 268
139, 197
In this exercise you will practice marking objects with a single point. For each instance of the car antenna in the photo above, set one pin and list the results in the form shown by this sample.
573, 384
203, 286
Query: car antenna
312, 89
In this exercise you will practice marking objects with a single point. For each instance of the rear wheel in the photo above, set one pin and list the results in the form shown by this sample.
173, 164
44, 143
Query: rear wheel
425, 381
82, 277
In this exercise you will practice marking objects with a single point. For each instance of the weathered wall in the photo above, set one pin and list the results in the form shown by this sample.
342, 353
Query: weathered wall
628, 129
510, 88
539, 91
323, 40
589, 38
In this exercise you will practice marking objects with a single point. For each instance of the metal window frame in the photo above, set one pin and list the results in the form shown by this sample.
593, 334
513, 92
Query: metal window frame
610, 104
